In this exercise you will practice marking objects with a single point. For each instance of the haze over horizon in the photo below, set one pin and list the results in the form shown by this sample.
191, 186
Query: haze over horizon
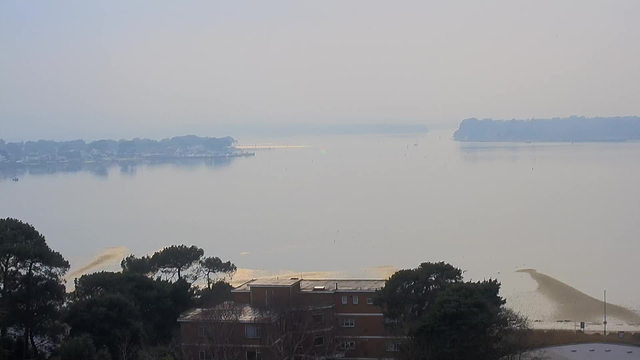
156, 69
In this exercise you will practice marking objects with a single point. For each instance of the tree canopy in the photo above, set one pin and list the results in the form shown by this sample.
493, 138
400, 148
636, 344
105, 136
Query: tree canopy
138, 265
32, 285
176, 259
119, 315
111, 320
408, 293
443, 318
81, 348
212, 266
569, 129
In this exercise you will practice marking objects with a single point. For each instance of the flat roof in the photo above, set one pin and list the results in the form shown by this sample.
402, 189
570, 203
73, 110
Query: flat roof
274, 282
365, 285
228, 311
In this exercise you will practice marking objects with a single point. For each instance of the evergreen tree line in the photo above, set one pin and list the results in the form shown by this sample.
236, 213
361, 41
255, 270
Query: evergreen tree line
130, 314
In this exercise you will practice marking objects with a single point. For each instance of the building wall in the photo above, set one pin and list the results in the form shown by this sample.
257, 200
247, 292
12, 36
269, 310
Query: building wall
265, 297
369, 332
374, 348
314, 298
363, 326
242, 297
350, 307
195, 340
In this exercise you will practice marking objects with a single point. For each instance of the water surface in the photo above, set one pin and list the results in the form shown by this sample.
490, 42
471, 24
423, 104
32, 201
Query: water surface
345, 203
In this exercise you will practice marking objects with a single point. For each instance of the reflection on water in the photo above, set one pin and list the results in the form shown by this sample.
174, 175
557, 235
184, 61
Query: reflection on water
101, 170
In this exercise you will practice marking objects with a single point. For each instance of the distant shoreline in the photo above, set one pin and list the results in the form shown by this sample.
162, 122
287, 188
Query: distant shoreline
78, 152
571, 129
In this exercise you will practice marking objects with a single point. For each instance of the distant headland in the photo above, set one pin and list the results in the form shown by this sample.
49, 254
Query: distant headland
571, 129
41, 152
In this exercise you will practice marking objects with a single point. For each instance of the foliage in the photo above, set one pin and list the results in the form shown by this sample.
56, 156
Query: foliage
212, 266
440, 317
103, 354
111, 320
408, 293
213, 295
142, 265
176, 259
126, 315
78, 348
573, 128
158, 303
32, 285
462, 323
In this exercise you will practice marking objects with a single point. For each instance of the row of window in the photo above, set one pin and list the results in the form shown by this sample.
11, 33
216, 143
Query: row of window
347, 345
255, 331
250, 331
354, 300
250, 355
317, 341
348, 323
351, 345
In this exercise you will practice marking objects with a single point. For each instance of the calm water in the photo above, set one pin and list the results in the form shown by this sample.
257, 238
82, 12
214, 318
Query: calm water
346, 203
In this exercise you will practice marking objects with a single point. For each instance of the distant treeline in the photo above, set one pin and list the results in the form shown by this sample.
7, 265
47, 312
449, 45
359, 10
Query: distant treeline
135, 146
572, 129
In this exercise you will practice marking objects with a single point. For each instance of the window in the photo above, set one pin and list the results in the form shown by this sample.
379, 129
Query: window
393, 346
201, 331
348, 323
252, 331
318, 318
355, 300
344, 300
369, 301
254, 355
318, 341
348, 345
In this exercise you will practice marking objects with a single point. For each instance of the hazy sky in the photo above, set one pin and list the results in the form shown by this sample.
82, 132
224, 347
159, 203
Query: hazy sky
156, 68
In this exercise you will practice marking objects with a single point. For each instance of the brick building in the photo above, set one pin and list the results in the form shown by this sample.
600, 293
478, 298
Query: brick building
320, 319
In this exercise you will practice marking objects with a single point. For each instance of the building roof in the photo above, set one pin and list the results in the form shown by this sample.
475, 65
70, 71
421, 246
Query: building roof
273, 283
364, 285
228, 311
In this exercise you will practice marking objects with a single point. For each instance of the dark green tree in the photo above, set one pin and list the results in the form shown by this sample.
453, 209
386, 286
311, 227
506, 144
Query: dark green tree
32, 283
158, 303
44, 307
211, 267
467, 321
440, 317
78, 348
141, 265
176, 259
103, 354
408, 294
217, 293
111, 320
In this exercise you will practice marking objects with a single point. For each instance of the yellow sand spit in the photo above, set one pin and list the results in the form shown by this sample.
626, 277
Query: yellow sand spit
107, 257
572, 304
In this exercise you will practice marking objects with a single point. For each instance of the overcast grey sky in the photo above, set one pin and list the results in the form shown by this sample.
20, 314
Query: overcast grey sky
95, 69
